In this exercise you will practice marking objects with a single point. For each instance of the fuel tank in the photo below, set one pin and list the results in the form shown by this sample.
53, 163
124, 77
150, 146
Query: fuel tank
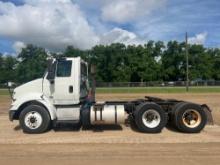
107, 114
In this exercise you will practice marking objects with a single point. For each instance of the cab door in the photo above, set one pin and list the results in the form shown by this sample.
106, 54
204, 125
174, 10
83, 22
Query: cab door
64, 83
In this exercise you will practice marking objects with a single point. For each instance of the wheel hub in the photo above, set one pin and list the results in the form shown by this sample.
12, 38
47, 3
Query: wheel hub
33, 120
191, 118
151, 118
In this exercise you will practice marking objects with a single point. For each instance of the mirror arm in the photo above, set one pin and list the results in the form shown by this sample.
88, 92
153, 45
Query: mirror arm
9, 84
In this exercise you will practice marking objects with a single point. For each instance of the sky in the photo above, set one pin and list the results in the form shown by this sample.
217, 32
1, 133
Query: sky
55, 24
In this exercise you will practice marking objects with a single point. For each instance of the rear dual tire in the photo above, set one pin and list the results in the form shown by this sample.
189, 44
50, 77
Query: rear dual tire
188, 117
150, 118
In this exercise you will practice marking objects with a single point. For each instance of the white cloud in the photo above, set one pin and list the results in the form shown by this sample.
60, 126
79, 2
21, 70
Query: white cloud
199, 39
118, 35
122, 11
18, 45
53, 24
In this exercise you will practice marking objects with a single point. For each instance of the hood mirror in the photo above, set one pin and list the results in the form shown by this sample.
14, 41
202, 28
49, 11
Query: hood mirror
10, 84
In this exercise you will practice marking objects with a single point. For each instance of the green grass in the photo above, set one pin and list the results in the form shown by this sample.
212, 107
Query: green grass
148, 90
158, 90
4, 92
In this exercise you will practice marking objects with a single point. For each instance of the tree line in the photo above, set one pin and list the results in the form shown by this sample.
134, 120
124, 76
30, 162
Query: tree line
154, 61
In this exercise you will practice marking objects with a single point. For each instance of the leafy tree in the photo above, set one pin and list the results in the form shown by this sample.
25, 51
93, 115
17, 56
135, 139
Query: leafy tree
70, 51
215, 60
32, 63
173, 62
117, 62
151, 61
7, 68
200, 63
1, 69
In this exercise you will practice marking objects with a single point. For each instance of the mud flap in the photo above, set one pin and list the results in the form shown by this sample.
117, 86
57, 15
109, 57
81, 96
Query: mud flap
208, 112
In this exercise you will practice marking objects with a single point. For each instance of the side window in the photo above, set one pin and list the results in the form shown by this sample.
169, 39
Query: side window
64, 68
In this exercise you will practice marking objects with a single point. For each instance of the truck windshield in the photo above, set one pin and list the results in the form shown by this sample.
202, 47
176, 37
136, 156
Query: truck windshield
84, 80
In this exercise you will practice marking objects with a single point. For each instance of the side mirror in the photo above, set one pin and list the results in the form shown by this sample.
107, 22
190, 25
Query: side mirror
93, 69
10, 90
51, 70
10, 84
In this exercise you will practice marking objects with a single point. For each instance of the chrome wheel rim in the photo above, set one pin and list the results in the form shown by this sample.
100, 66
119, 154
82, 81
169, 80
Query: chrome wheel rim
191, 118
151, 118
33, 120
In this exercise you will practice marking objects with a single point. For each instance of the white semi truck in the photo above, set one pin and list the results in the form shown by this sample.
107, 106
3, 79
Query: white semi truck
62, 96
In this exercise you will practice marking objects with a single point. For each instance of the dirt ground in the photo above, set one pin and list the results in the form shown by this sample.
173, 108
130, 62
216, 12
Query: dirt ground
112, 144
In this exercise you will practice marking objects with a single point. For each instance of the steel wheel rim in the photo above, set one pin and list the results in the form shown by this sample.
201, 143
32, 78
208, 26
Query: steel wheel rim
151, 118
191, 118
33, 120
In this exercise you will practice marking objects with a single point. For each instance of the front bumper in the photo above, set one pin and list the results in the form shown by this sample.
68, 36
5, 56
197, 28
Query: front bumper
11, 115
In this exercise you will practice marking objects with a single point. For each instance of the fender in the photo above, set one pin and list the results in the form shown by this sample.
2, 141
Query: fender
39, 97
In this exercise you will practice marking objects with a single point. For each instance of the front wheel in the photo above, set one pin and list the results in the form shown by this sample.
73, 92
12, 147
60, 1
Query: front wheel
150, 118
34, 119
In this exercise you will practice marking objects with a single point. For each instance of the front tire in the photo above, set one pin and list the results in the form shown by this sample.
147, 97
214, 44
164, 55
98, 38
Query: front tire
34, 119
150, 118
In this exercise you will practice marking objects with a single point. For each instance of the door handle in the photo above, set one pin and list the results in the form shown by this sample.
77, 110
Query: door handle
70, 89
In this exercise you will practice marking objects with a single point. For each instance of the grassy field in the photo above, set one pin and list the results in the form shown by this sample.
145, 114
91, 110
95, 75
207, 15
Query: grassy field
158, 90
4, 92
148, 90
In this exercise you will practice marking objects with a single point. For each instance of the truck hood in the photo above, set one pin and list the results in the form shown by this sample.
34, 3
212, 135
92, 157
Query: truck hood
34, 86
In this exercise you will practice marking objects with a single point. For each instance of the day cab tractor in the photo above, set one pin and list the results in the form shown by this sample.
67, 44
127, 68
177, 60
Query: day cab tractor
63, 95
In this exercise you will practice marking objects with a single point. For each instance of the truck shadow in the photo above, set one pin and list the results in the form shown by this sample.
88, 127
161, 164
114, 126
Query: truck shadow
97, 128
171, 128
134, 127
17, 128
102, 128
67, 127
